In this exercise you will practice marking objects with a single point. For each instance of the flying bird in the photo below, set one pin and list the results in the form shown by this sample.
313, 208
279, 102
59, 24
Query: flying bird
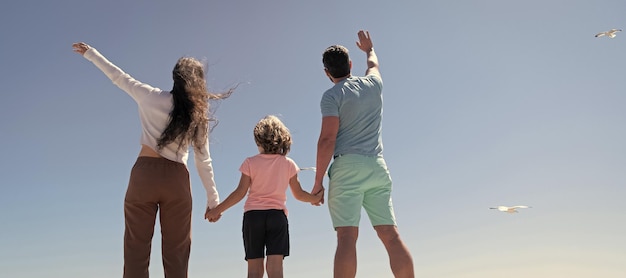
611, 33
512, 209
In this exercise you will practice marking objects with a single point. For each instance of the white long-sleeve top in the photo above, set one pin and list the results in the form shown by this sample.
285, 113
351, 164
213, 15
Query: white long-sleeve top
154, 108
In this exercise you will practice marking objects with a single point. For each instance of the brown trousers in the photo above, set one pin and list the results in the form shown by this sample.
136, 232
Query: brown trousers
157, 184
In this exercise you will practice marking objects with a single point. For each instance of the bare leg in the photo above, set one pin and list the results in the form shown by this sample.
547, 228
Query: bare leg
255, 268
345, 256
274, 266
399, 256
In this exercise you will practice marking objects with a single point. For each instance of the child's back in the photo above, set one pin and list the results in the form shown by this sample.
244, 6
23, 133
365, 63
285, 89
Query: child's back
265, 177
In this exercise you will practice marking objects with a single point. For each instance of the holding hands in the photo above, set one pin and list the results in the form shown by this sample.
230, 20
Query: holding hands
212, 215
319, 193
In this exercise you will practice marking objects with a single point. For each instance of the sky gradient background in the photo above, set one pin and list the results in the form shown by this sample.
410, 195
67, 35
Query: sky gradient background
486, 103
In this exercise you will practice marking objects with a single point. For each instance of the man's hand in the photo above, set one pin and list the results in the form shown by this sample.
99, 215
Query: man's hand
318, 190
365, 42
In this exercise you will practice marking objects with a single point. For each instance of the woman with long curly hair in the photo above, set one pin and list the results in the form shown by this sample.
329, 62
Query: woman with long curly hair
171, 122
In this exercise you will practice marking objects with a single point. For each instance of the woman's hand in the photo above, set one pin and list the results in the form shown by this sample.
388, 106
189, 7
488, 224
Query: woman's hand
80, 47
212, 215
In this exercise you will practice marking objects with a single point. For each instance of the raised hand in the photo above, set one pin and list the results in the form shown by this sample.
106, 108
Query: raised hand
80, 47
365, 42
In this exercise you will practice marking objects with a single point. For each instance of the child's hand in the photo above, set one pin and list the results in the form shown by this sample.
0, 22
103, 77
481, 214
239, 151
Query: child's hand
318, 189
212, 215
320, 198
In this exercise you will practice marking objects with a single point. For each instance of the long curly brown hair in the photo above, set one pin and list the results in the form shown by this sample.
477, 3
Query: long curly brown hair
189, 118
272, 136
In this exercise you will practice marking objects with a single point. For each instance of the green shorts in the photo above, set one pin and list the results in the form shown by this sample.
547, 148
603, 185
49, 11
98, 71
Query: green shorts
359, 181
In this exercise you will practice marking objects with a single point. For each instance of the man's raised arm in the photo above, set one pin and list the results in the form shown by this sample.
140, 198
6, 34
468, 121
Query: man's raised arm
365, 44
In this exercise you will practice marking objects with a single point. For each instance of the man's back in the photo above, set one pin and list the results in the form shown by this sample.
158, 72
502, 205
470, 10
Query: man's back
357, 101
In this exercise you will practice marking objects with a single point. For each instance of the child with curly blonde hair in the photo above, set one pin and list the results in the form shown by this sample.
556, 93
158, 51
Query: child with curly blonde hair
265, 177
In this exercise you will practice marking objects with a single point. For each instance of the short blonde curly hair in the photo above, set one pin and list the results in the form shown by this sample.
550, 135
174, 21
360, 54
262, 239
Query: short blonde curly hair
272, 136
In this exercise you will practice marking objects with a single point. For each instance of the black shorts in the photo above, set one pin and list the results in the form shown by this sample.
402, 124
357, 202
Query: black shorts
265, 231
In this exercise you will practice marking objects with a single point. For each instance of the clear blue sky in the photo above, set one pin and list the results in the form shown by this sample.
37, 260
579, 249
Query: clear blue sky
486, 103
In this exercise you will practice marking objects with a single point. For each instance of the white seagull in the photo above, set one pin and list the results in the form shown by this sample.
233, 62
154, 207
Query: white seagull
512, 209
611, 33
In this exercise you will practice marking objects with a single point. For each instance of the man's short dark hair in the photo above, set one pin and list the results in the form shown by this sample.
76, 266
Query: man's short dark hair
336, 61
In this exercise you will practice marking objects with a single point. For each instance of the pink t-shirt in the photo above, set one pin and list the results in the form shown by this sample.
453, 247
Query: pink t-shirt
270, 174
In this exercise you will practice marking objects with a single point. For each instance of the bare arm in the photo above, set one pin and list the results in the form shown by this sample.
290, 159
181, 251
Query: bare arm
325, 150
301, 195
244, 184
365, 44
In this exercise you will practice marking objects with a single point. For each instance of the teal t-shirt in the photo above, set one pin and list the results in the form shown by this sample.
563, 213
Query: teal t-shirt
358, 102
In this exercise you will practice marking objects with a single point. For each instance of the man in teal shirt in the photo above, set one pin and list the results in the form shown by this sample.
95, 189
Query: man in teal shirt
358, 177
